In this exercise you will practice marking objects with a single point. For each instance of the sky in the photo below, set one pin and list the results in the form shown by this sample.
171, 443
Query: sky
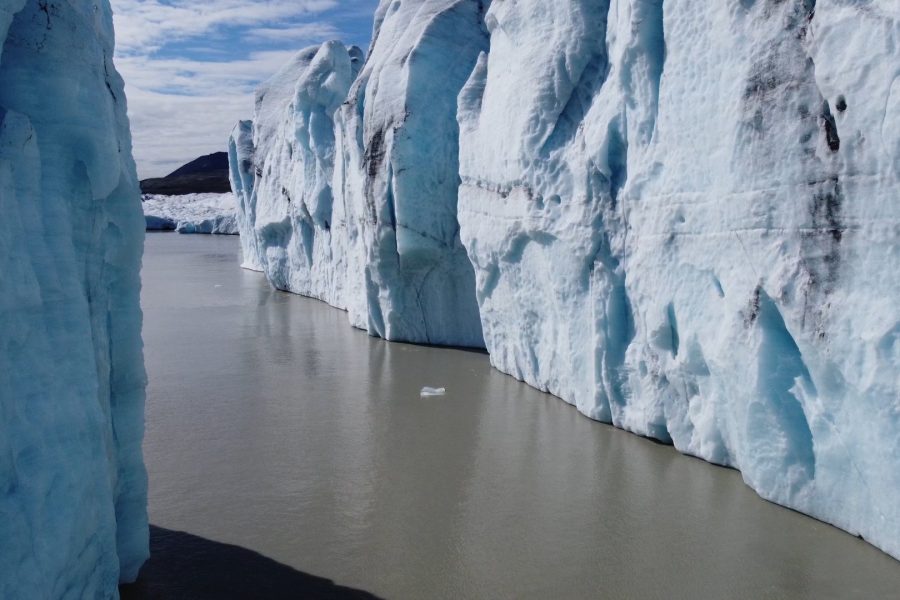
191, 66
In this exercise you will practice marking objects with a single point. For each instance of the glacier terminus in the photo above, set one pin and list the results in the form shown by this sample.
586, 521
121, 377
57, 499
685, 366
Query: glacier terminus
681, 218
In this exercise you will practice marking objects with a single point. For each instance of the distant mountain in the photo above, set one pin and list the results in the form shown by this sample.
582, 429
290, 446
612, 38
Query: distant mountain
205, 175
204, 164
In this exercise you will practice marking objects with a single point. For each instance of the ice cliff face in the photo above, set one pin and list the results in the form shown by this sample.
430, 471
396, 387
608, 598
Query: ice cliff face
401, 171
355, 204
685, 222
282, 167
682, 220
73, 516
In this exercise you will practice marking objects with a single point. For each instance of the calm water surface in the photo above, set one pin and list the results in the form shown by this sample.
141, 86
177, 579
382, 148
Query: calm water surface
274, 426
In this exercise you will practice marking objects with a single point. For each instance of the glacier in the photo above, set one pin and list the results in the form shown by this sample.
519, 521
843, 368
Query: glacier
205, 213
290, 226
685, 223
73, 520
347, 175
682, 220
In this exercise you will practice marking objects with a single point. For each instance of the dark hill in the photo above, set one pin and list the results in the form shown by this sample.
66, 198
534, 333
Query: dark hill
205, 175
205, 164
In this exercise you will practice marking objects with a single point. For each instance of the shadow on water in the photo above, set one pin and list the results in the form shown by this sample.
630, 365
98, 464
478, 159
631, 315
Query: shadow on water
185, 566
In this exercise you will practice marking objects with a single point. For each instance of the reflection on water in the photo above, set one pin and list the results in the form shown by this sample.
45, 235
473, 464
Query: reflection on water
273, 425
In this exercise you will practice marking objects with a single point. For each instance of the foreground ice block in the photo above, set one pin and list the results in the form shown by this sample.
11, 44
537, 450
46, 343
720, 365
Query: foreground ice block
684, 220
73, 519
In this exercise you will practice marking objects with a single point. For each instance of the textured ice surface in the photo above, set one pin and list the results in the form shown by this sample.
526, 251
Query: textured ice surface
685, 221
72, 481
191, 213
281, 170
242, 173
682, 219
399, 173
356, 204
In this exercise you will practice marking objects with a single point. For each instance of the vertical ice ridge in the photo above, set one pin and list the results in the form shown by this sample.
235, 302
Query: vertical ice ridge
778, 429
643, 63
242, 172
585, 72
387, 168
417, 182
292, 224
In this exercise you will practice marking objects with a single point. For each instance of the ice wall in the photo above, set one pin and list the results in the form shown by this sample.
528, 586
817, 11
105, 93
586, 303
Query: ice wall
684, 221
682, 217
242, 173
400, 172
282, 165
73, 519
349, 195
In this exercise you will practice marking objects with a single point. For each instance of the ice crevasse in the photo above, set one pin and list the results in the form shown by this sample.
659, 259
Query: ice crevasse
682, 218
73, 519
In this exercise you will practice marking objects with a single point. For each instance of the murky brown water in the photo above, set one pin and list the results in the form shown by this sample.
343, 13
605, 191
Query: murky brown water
274, 426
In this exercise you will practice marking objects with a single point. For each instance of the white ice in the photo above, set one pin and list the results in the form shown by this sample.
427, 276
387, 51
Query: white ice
281, 169
191, 213
352, 199
682, 219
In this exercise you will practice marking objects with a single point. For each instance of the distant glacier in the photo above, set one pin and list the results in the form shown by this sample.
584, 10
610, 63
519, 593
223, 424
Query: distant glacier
207, 213
681, 219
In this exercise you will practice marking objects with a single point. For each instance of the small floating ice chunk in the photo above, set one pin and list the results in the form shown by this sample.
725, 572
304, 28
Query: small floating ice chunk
430, 391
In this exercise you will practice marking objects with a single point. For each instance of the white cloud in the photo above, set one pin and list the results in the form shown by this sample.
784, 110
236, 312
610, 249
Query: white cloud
190, 67
145, 25
304, 31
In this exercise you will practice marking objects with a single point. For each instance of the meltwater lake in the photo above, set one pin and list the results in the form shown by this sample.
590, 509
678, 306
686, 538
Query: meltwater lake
290, 456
